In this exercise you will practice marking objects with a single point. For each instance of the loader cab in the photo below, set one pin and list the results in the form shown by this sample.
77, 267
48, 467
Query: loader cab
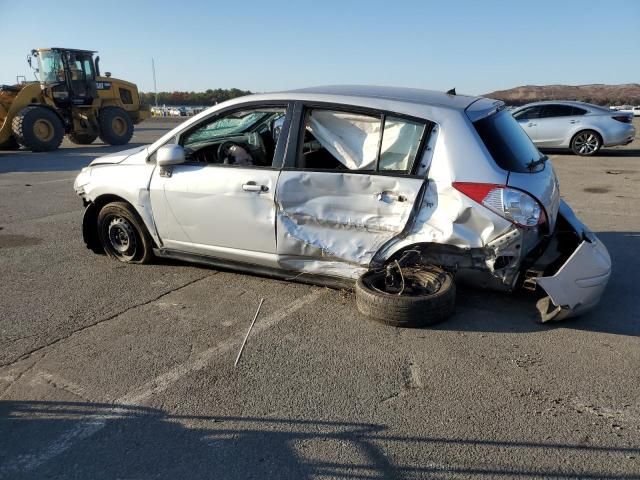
69, 74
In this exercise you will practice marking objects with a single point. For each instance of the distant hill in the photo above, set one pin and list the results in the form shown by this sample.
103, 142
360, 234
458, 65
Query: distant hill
626, 94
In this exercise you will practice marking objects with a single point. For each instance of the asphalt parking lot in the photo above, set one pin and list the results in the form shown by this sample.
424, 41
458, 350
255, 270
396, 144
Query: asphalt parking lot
117, 371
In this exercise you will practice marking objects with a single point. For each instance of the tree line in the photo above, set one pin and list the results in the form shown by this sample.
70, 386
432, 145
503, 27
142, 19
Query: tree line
604, 101
208, 97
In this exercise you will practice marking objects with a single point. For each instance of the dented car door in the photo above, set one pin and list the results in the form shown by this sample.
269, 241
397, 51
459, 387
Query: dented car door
325, 217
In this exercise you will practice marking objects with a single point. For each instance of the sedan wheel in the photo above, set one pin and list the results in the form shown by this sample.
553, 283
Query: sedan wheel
586, 143
122, 238
123, 234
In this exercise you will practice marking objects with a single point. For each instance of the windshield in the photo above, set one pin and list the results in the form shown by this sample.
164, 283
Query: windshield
508, 144
51, 67
236, 123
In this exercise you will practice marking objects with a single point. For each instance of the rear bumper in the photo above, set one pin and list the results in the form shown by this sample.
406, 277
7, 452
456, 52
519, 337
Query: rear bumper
578, 284
623, 136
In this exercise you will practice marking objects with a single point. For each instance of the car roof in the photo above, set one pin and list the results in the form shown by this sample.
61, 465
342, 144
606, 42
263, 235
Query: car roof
572, 103
377, 93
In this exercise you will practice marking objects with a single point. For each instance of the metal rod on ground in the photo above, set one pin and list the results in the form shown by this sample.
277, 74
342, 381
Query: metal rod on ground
248, 332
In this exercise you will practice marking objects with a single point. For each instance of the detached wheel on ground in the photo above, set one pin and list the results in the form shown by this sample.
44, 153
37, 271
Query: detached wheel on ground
123, 235
413, 297
81, 138
116, 127
586, 142
38, 129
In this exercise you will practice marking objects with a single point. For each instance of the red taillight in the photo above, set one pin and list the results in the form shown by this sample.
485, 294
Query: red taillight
514, 205
622, 118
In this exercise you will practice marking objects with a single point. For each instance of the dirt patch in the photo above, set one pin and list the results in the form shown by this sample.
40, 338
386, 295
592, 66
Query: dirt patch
12, 241
596, 190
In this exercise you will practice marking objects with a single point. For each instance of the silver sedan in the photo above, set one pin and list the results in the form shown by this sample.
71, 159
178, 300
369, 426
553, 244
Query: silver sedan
582, 127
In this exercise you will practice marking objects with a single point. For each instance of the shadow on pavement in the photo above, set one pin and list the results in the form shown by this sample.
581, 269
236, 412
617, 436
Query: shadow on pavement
61, 160
89, 440
605, 152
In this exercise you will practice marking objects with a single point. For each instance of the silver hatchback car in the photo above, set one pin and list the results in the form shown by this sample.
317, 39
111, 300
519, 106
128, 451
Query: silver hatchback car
403, 192
582, 127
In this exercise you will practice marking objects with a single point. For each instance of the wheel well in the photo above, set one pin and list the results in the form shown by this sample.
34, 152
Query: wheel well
48, 107
90, 220
586, 130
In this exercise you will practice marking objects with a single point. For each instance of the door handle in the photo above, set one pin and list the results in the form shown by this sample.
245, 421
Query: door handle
389, 196
574, 121
531, 125
253, 187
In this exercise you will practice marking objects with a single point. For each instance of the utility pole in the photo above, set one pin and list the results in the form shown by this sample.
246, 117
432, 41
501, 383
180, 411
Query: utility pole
155, 87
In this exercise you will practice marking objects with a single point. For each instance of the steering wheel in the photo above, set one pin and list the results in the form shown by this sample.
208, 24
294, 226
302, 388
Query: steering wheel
223, 151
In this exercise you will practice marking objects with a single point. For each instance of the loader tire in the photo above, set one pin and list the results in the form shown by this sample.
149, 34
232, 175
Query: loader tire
116, 126
82, 138
420, 309
38, 129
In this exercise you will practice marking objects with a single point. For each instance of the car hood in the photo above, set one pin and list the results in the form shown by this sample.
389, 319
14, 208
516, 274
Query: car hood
117, 157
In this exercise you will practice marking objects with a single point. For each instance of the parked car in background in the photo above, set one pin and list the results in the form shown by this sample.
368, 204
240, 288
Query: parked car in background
400, 191
582, 127
634, 110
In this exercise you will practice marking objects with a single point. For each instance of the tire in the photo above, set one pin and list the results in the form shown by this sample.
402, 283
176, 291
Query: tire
38, 129
82, 138
415, 310
123, 235
586, 143
10, 144
116, 127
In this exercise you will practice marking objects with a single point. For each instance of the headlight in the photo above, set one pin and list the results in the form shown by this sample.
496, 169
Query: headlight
83, 178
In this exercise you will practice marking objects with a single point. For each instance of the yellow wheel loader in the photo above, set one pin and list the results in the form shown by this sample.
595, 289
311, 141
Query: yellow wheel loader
71, 98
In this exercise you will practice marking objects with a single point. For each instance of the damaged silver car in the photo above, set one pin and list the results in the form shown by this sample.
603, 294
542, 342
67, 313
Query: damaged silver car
403, 192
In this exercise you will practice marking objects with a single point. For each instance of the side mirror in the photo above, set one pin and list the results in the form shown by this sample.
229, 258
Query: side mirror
170, 154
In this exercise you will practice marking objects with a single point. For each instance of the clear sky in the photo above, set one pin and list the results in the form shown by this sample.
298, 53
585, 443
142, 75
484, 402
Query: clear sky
476, 46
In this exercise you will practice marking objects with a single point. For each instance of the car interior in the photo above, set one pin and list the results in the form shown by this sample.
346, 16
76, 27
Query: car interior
315, 156
247, 137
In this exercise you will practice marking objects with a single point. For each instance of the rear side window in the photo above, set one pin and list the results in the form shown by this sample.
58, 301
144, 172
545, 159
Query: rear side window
578, 111
400, 143
508, 143
342, 140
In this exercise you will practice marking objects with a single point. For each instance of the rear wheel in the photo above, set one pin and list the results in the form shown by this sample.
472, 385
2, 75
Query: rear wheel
414, 297
123, 234
586, 142
116, 127
82, 138
38, 129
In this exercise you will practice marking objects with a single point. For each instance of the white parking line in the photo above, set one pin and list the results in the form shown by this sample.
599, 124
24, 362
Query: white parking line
84, 430
59, 382
164, 381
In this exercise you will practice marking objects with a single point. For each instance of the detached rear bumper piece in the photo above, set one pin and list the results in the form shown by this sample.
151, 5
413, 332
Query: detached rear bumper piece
578, 284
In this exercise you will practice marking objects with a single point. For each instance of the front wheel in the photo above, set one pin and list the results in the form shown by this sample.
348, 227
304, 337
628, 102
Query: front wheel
586, 143
123, 234
38, 129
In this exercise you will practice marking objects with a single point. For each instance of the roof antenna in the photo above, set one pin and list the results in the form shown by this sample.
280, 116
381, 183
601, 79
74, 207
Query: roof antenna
452, 91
